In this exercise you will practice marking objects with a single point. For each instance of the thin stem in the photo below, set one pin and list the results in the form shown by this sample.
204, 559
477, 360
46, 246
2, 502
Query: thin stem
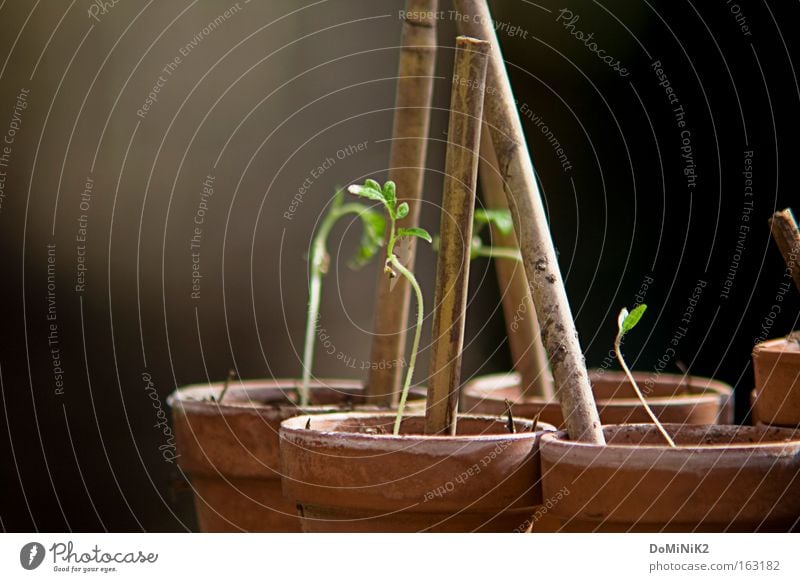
498, 253
415, 346
618, 350
319, 268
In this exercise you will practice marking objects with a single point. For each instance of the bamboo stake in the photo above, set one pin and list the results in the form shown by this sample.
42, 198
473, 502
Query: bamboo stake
406, 169
530, 223
522, 326
787, 236
458, 206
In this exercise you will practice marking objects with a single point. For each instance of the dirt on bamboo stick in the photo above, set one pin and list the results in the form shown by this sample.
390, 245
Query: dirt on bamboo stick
406, 169
787, 236
559, 334
458, 206
522, 326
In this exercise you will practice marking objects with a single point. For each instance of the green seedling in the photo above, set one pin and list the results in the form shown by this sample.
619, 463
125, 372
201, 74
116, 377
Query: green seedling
387, 196
625, 322
373, 225
501, 220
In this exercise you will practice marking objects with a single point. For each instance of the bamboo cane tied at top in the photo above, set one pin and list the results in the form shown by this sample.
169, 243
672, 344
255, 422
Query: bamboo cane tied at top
787, 236
559, 334
406, 169
458, 206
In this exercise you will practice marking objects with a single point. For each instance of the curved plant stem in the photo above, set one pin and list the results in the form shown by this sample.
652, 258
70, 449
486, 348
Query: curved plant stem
498, 253
618, 350
415, 346
319, 268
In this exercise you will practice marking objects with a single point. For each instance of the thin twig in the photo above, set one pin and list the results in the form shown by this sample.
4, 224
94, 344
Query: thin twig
522, 325
559, 334
787, 236
406, 169
458, 206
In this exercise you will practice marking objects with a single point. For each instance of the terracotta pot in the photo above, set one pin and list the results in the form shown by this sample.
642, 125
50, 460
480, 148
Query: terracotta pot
672, 398
231, 452
776, 364
720, 478
348, 473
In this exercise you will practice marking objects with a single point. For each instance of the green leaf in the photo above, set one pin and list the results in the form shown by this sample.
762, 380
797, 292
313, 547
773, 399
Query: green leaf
390, 195
501, 219
367, 191
627, 321
414, 231
402, 210
374, 225
374, 185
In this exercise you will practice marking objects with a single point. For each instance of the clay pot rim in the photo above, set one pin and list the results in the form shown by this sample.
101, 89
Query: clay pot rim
714, 390
778, 345
190, 398
296, 427
560, 439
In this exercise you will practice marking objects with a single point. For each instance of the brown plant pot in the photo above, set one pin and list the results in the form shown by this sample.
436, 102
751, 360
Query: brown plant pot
672, 398
720, 478
776, 364
231, 453
348, 473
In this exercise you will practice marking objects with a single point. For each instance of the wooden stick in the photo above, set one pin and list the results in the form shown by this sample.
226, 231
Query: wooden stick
458, 207
530, 223
407, 169
786, 234
522, 325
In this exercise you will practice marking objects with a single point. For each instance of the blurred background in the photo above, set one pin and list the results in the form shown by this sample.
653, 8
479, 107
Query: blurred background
152, 146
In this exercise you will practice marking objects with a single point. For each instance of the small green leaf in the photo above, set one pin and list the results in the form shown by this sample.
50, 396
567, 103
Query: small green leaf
402, 210
374, 185
415, 231
627, 321
390, 195
366, 191
501, 219
374, 225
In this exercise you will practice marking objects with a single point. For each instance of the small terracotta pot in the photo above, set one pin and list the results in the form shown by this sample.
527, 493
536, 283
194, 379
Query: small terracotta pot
776, 364
348, 473
672, 398
720, 478
231, 451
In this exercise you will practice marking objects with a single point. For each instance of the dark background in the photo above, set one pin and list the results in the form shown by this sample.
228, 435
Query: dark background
268, 95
